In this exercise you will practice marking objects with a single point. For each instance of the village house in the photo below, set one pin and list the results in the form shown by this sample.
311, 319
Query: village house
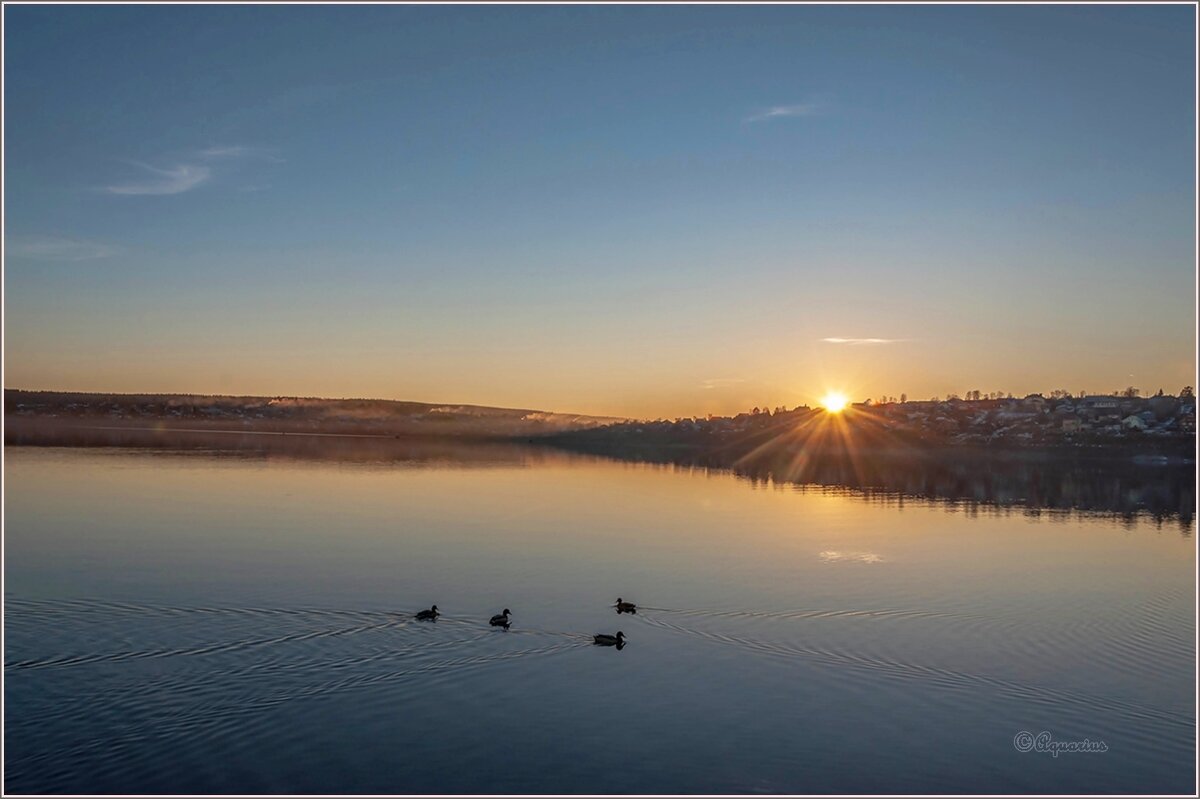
1100, 408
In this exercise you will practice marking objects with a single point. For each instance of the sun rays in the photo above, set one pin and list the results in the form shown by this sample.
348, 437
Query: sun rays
835, 441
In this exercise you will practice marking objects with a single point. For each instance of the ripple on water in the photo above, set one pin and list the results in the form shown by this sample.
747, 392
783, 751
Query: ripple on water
104, 678
905, 649
93, 683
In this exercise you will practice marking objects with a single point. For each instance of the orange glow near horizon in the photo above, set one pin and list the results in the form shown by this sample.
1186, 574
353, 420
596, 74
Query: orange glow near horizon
834, 402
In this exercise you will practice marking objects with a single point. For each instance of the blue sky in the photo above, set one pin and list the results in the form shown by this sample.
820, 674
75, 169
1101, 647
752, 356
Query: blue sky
626, 210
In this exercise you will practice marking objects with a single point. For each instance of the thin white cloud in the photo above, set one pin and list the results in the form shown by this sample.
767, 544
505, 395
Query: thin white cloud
53, 248
721, 382
778, 111
863, 340
233, 151
834, 556
223, 152
177, 180
191, 169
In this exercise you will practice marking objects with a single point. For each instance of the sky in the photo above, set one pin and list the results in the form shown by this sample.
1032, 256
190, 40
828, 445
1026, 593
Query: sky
620, 210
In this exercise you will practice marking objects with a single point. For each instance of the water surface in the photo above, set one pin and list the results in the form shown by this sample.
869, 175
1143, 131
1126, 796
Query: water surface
224, 618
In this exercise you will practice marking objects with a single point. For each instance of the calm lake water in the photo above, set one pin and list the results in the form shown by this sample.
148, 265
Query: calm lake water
232, 620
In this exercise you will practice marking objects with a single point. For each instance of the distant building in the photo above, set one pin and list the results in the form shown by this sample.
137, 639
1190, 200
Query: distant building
1100, 403
1100, 408
1132, 422
1010, 416
1034, 401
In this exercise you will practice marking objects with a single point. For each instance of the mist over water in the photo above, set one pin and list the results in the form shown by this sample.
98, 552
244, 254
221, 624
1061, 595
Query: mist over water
211, 615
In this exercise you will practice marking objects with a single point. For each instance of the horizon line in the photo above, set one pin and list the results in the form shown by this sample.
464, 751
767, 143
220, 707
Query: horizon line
624, 417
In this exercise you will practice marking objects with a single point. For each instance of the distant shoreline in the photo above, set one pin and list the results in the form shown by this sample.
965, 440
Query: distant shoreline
35, 431
26, 410
773, 442
234, 432
954, 430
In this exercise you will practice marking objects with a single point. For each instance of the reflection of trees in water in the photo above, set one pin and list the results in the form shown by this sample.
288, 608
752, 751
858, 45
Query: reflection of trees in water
381, 451
1054, 486
1049, 486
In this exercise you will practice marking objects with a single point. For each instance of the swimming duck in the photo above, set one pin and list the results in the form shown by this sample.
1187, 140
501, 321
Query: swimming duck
609, 640
428, 615
501, 619
625, 607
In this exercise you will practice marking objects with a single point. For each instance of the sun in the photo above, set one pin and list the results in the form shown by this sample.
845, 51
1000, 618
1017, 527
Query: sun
834, 402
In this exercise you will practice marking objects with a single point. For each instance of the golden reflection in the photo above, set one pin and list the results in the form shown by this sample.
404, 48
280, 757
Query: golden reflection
839, 440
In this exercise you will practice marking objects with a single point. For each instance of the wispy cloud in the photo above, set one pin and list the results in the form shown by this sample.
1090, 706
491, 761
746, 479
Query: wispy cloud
834, 556
223, 152
174, 180
54, 248
227, 152
721, 382
863, 340
779, 111
190, 170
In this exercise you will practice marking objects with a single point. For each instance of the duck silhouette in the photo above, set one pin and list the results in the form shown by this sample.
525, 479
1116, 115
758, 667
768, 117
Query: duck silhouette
625, 607
603, 639
428, 615
501, 619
